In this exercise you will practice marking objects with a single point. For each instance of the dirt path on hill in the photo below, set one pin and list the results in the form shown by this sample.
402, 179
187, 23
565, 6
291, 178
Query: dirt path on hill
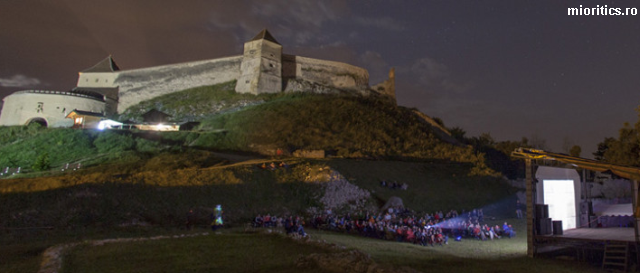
240, 160
52, 256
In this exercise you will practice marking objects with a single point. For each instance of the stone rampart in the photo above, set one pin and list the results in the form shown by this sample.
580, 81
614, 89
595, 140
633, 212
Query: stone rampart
50, 106
326, 73
146, 83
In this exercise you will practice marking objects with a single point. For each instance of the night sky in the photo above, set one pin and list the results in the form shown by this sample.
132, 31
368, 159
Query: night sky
512, 69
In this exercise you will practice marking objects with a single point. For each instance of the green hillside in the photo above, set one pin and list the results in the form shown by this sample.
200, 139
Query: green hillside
344, 126
135, 183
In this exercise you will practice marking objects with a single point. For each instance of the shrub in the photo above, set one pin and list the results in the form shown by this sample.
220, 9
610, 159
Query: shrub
112, 142
42, 163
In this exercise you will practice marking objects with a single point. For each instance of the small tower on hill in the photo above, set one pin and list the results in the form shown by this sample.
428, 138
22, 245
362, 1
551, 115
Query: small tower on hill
261, 67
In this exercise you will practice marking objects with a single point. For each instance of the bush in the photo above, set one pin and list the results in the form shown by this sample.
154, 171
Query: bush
112, 142
42, 163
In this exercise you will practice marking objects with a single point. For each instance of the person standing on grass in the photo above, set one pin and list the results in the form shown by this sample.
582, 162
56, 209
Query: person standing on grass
216, 218
518, 209
191, 219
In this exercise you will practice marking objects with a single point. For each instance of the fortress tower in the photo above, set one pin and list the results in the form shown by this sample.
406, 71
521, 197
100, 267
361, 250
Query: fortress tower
261, 67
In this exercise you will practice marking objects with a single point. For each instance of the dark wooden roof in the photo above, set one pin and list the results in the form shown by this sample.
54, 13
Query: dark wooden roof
106, 65
85, 113
627, 172
265, 35
154, 115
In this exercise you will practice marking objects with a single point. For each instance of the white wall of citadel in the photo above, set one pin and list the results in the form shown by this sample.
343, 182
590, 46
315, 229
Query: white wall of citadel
97, 79
146, 83
328, 73
53, 106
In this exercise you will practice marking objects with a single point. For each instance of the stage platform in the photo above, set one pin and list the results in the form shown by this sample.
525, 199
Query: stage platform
612, 234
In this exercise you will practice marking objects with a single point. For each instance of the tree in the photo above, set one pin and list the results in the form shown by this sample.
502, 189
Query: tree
602, 148
458, 133
625, 150
575, 151
567, 145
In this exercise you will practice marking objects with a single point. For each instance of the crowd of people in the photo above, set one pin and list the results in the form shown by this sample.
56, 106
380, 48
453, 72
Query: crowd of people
291, 224
398, 225
394, 185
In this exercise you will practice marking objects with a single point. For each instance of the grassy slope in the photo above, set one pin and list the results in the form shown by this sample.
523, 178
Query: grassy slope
346, 125
159, 191
20, 146
155, 193
239, 252
432, 186
214, 253
323, 122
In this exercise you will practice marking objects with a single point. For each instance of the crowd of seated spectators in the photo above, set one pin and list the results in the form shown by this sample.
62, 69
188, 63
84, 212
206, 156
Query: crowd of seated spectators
397, 224
394, 185
291, 224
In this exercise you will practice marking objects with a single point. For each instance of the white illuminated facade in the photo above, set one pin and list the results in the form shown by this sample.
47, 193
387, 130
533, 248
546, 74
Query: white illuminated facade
560, 196
560, 188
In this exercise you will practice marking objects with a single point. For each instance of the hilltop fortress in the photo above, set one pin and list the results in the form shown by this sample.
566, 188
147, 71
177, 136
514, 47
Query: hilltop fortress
106, 90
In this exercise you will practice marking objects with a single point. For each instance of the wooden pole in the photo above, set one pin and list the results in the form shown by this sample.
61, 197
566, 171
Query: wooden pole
530, 212
636, 212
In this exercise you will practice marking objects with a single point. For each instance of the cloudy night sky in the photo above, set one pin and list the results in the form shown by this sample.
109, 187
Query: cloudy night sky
512, 69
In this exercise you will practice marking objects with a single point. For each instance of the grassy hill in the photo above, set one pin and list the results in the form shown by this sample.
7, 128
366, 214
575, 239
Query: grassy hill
135, 181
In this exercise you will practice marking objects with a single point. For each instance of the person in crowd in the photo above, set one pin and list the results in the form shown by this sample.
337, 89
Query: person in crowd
258, 221
425, 229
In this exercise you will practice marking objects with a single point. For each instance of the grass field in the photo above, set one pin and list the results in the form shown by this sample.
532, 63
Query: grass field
107, 201
234, 251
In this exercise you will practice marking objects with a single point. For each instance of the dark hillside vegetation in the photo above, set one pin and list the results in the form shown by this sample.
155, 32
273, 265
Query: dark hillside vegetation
347, 126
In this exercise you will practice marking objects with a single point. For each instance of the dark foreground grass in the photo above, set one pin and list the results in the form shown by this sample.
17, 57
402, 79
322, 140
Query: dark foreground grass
224, 252
242, 252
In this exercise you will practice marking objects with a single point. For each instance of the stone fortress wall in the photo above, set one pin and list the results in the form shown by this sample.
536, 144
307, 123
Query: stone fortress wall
143, 84
261, 69
324, 73
49, 108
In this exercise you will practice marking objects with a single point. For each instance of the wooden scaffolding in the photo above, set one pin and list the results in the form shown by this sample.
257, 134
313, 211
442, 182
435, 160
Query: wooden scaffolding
531, 156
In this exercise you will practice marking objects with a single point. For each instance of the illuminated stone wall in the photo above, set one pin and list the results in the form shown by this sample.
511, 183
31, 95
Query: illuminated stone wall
323, 73
147, 83
22, 107
261, 69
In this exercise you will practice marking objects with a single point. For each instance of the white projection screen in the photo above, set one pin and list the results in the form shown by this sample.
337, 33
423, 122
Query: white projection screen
560, 196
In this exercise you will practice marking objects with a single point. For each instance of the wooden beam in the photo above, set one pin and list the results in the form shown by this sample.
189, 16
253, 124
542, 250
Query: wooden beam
530, 206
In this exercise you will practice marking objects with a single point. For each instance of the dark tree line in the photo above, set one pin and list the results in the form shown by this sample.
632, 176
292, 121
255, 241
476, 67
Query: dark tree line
624, 150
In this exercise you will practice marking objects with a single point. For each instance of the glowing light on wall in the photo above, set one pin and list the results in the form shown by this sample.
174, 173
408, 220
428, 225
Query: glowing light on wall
560, 196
